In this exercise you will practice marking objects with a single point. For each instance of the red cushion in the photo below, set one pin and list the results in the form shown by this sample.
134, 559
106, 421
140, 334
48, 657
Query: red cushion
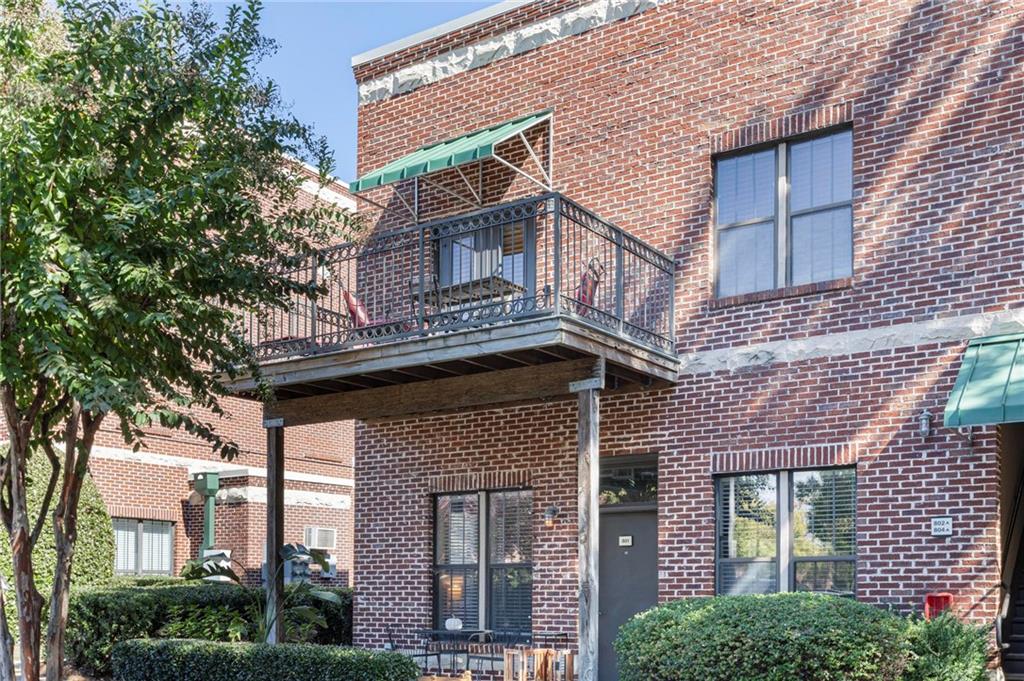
586, 295
356, 310
588, 288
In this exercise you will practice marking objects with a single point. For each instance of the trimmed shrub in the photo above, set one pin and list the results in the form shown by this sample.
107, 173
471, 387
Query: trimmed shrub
769, 638
100, 617
182, 660
94, 549
947, 649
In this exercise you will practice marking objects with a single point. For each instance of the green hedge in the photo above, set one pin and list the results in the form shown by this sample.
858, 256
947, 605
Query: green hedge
182, 660
947, 649
768, 638
94, 549
100, 617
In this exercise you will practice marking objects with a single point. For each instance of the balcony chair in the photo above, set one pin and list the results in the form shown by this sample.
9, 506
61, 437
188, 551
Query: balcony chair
363, 326
586, 292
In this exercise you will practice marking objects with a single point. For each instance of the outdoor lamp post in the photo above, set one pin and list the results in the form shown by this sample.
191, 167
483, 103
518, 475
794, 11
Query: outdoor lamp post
207, 484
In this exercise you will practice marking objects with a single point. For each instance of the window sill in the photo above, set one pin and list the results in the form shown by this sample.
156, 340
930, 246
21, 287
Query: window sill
778, 293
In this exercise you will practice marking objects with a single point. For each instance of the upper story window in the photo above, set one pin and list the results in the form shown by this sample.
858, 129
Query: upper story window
783, 215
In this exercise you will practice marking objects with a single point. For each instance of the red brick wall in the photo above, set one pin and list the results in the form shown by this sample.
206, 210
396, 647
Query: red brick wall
935, 96
136, 487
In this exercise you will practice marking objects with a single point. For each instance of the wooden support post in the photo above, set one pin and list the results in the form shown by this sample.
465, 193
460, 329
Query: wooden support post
588, 472
275, 529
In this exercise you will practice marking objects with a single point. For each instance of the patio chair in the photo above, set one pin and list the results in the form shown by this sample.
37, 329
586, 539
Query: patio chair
586, 292
362, 325
425, 656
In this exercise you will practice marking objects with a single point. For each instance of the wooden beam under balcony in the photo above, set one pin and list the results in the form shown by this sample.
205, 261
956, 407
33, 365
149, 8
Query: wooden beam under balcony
444, 395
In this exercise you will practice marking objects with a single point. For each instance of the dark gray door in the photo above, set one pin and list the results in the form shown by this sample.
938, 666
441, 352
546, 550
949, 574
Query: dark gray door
628, 575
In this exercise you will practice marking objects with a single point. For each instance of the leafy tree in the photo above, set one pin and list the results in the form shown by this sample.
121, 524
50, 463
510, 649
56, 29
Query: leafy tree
147, 201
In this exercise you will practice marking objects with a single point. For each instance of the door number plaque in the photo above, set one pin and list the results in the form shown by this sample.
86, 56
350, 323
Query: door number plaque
625, 540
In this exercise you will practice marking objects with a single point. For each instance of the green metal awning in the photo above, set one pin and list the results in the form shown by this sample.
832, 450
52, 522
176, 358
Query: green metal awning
467, 148
990, 386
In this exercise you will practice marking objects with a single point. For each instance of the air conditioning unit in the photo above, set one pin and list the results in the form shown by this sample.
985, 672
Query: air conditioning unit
321, 537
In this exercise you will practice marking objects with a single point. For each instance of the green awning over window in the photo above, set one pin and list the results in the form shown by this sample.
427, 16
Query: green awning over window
448, 154
990, 386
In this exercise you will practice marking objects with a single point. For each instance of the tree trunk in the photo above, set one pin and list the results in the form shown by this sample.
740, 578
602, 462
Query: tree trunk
29, 602
65, 531
64, 536
6, 641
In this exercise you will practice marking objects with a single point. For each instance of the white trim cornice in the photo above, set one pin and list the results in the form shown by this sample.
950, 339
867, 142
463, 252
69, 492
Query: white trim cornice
573, 22
439, 30
194, 466
942, 330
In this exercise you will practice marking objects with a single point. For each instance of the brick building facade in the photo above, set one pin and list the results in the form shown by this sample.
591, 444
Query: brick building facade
648, 99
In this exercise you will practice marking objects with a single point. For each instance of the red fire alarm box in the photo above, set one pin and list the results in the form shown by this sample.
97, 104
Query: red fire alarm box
935, 603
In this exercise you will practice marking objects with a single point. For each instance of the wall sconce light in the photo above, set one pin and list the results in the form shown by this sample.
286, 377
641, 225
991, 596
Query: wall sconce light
924, 423
550, 513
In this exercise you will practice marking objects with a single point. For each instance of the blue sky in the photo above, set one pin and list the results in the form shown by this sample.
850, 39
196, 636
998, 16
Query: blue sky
316, 41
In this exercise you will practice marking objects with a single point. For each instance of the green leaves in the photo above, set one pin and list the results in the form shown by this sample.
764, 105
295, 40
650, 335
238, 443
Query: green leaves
148, 203
779, 637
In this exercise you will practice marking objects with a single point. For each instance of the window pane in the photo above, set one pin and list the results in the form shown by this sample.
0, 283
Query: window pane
828, 576
458, 595
458, 529
511, 599
629, 484
510, 531
124, 541
824, 512
747, 516
747, 578
821, 171
745, 187
746, 259
157, 543
822, 246
510, 549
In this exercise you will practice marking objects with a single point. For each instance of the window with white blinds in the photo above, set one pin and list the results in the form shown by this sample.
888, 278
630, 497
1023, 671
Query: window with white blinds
483, 560
824, 530
510, 560
143, 547
747, 534
756, 553
456, 559
794, 199
126, 533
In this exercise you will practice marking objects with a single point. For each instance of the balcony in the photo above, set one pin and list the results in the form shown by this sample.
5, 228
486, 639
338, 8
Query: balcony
517, 285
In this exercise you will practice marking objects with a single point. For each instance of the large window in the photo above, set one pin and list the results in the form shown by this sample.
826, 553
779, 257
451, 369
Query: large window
143, 547
483, 562
783, 215
787, 531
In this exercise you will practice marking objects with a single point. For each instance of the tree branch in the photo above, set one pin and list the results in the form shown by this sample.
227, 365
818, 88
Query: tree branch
51, 486
5, 483
47, 442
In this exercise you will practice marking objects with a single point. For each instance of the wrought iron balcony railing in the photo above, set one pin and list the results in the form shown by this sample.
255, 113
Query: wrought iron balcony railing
531, 258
